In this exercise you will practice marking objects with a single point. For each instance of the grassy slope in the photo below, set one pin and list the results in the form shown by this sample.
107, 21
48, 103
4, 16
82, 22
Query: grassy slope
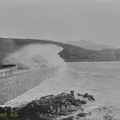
69, 53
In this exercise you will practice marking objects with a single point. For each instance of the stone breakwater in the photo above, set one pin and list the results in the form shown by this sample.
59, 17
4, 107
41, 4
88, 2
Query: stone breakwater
22, 81
7, 71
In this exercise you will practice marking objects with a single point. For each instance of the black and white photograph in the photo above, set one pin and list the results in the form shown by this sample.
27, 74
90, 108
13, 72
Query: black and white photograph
59, 59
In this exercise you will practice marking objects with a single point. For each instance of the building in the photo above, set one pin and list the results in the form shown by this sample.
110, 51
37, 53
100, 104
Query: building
7, 70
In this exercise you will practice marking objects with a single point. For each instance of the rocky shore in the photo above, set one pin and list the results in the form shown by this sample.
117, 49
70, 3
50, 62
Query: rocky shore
64, 106
50, 107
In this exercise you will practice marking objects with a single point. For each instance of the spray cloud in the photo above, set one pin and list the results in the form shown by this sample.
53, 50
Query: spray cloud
36, 55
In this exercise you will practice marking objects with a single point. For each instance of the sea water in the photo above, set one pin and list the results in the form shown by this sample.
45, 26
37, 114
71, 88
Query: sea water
102, 79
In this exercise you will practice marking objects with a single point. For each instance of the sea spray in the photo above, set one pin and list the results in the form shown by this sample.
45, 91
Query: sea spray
36, 55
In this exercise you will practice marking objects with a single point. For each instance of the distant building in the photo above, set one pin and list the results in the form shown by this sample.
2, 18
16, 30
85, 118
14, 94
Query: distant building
7, 70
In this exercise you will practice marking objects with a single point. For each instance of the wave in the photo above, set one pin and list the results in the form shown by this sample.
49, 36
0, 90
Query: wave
36, 55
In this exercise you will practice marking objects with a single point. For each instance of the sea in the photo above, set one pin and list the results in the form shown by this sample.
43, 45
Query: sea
101, 79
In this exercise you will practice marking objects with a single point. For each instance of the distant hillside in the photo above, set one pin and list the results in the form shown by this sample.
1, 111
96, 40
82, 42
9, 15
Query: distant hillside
90, 45
70, 53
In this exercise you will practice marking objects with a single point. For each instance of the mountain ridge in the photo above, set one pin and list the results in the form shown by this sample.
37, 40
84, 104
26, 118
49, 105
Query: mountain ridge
70, 53
91, 45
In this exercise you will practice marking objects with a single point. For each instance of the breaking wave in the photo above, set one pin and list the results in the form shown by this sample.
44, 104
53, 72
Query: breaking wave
36, 55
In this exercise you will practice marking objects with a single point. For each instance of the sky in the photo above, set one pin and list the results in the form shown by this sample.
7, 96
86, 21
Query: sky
62, 20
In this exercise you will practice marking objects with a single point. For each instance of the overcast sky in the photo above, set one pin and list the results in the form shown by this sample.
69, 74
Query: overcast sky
95, 20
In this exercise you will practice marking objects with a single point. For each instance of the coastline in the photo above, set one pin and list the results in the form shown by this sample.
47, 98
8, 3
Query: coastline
23, 81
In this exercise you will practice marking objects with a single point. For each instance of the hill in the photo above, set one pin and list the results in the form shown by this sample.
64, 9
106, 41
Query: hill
70, 53
90, 45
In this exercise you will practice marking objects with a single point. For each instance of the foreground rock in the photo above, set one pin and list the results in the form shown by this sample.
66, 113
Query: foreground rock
50, 107
64, 106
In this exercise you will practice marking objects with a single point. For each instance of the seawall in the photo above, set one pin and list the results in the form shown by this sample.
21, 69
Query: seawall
22, 81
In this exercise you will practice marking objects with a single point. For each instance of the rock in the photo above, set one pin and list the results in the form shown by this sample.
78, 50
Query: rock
49, 107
